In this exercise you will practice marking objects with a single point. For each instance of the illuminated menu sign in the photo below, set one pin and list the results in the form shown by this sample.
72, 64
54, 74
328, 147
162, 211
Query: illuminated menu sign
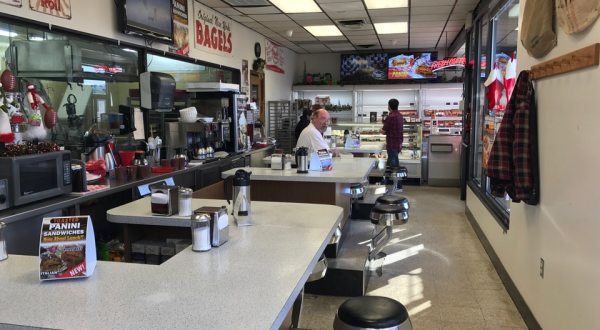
410, 66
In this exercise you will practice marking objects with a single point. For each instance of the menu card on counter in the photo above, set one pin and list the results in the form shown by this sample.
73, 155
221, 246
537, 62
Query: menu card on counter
67, 248
320, 160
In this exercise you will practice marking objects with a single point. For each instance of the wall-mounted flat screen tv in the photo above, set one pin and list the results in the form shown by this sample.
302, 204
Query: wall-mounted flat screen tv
147, 18
411, 66
364, 68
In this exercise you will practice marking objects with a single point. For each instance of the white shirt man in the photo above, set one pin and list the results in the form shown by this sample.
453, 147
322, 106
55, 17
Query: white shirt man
312, 136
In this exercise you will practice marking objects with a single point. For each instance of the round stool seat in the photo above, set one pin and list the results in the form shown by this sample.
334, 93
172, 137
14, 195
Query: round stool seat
393, 200
372, 312
388, 215
357, 190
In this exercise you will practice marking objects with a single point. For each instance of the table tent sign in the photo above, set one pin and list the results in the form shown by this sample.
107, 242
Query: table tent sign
67, 248
320, 160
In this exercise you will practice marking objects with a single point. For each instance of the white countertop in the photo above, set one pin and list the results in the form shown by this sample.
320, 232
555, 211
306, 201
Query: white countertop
352, 170
248, 283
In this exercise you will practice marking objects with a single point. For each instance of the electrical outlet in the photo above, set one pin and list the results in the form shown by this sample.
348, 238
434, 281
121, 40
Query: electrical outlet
542, 267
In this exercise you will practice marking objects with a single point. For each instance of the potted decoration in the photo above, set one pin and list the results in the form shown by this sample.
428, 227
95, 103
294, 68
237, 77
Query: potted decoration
259, 65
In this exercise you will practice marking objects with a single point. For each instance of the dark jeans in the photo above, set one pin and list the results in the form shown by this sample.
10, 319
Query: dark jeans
392, 157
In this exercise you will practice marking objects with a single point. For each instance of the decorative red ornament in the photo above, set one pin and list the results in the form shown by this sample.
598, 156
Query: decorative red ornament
50, 117
8, 80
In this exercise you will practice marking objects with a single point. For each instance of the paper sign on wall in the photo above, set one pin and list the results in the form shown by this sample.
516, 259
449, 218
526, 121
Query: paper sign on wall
181, 40
67, 248
274, 57
212, 32
58, 8
320, 160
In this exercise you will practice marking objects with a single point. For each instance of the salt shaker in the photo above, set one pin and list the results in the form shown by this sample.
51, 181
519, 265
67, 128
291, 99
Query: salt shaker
200, 232
3, 252
185, 202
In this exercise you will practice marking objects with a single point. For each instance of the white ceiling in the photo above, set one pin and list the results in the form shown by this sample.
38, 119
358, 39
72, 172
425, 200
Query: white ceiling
432, 24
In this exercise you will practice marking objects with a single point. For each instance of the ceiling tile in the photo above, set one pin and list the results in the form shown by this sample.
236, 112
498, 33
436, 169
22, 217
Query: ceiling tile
355, 14
386, 19
241, 18
259, 10
340, 7
316, 22
435, 10
270, 17
308, 16
388, 12
302, 38
366, 32
425, 29
280, 24
226, 11
425, 35
339, 48
334, 38
314, 47
213, 3
428, 18
439, 24
433, 3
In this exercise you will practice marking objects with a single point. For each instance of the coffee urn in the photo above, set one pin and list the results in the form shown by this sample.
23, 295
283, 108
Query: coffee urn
302, 160
241, 197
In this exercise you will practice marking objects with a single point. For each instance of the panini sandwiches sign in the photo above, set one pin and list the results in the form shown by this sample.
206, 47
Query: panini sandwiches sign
212, 31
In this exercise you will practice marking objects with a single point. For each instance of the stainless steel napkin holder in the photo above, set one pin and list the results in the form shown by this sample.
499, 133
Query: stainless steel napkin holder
219, 224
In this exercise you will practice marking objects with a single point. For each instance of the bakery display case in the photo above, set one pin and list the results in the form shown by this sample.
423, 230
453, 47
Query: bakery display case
370, 134
441, 110
372, 104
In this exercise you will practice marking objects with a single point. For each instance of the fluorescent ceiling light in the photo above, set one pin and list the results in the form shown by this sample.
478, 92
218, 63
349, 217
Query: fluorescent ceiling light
381, 4
323, 30
296, 6
5, 33
393, 27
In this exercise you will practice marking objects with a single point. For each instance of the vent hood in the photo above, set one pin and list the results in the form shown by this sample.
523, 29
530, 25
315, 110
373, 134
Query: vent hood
212, 87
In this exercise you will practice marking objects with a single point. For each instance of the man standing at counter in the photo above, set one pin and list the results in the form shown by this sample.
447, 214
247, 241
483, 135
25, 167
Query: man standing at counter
393, 127
312, 136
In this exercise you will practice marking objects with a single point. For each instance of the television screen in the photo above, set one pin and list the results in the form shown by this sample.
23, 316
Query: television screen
150, 18
364, 67
410, 66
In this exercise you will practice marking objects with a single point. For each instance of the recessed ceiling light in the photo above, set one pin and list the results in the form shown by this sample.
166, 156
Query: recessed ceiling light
296, 6
393, 27
323, 30
381, 4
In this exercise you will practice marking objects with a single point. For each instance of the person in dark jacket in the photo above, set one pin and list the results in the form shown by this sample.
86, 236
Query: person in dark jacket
305, 119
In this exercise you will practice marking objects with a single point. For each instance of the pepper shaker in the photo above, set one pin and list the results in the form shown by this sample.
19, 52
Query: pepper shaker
3, 252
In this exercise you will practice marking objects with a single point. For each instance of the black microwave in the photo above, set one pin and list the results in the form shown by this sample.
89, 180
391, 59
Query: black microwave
30, 178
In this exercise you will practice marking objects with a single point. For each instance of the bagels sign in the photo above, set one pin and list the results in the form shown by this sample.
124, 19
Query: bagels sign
212, 31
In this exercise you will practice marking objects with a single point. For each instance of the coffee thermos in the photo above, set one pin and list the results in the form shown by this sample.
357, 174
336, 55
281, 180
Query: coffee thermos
302, 160
241, 197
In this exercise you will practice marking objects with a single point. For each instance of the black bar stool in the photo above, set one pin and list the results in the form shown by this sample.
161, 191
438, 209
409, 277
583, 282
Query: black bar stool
372, 312
389, 211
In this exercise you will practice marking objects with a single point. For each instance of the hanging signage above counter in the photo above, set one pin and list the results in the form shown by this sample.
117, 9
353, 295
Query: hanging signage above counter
212, 31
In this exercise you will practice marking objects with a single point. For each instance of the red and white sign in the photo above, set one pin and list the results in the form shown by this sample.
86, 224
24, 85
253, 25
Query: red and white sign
212, 32
274, 57
181, 43
58, 8
448, 62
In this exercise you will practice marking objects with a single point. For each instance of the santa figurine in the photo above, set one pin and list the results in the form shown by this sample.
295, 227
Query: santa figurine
36, 128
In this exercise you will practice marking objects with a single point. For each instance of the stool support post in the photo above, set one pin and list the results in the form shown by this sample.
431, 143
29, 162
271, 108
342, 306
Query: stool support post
379, 241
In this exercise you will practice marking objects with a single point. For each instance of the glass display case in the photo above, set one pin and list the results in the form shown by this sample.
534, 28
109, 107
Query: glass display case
442, 112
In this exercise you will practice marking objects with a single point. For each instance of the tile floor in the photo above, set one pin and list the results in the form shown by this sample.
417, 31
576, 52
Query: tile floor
435, 266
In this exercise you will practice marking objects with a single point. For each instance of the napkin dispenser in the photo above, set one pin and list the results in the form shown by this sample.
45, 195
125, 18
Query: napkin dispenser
219, 224
164, 199
277, 161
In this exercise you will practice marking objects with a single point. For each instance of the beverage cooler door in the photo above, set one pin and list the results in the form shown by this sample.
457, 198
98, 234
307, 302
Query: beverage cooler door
242, 119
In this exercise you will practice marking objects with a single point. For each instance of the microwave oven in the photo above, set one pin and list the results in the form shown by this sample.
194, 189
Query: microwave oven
29, 178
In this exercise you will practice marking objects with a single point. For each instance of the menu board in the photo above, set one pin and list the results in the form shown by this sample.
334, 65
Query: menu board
67, 248
364, 67
410, 66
